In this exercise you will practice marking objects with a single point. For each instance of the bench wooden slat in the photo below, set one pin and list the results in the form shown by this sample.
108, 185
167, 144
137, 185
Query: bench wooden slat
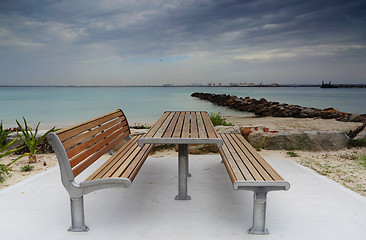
245, 159
87, 162
239, 169
136, 164
94, 140
273, 173
240, 156
129, 148
75, 130
146, 150
92, 149
255, 161
133, 162
194, 128
88, 134
105, 167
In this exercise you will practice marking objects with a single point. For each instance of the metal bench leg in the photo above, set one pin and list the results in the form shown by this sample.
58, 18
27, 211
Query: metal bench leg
77, 215
259, 213
182, 172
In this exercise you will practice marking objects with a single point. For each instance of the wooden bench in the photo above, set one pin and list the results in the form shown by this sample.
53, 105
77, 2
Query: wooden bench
249, 171
79, 146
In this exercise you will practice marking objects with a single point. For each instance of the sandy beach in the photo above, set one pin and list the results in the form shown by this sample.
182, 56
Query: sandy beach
343, 166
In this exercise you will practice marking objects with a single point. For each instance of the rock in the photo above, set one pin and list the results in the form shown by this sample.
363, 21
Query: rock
355, 118
294, 139
262, 107
227, 129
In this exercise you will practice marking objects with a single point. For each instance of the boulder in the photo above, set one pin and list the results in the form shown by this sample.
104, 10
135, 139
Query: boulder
295, 139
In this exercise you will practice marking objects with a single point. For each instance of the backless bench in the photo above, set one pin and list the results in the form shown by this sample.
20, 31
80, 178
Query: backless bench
249, 171
79, 146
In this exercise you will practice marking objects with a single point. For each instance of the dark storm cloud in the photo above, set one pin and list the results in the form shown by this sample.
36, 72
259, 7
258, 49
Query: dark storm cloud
250, 31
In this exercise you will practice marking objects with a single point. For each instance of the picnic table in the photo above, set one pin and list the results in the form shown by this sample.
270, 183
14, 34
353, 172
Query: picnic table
182, 128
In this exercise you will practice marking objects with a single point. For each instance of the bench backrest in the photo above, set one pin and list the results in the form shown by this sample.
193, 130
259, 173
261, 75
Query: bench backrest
86, 142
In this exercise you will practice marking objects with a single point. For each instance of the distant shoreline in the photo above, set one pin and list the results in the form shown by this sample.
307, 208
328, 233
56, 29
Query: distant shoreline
197, 86
170, 86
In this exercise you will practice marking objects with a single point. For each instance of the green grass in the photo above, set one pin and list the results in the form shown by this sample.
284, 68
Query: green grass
292, 154
218, 119
26, 168
357, 142
362, 159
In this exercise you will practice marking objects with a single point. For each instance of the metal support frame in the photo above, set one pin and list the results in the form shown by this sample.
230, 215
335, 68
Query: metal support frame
259, 213
260, 190
182, 172
77, 190
77, 215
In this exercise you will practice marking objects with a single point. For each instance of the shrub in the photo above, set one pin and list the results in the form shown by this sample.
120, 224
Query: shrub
361, 142
29, 138
3, 134
292, 154
218, 119
26, 168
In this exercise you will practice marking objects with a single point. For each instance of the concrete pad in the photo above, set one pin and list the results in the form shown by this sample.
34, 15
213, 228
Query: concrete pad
314, 207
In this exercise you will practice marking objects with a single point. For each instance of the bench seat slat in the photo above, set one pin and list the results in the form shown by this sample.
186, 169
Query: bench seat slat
245, 159
146, 151
236, 167
273, 173
108, 165
240, 158
125, 163
119, 160
258, 168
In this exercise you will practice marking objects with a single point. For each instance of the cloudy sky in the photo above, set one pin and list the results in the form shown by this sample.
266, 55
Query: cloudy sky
128, 42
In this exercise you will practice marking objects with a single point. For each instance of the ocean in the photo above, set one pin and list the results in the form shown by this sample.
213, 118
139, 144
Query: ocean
66, 106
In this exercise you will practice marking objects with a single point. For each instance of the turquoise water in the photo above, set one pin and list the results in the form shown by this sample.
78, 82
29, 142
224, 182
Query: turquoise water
65, 106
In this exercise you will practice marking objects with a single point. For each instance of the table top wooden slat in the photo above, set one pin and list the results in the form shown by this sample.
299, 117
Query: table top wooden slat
157, 125
201, 127
170, 130
179, 125
186, 127
160, 132
194, 127
209, 127
182, 127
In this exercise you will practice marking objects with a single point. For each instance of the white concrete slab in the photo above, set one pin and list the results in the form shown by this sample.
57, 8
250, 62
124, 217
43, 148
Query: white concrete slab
313, 208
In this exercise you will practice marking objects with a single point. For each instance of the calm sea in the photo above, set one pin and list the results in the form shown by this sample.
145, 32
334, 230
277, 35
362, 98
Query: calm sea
65, 106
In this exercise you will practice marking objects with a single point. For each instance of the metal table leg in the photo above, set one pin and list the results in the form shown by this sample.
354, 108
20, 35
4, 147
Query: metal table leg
182, 172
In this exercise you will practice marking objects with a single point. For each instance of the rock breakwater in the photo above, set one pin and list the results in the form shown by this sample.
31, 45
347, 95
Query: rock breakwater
265, 108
